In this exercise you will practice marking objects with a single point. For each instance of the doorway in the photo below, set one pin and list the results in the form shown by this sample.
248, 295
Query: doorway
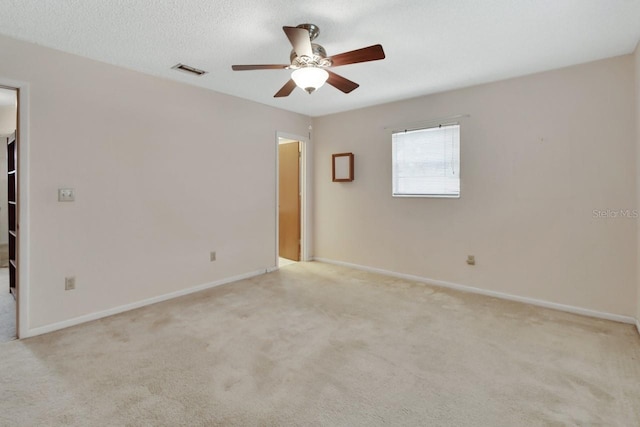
8, 213
290, 200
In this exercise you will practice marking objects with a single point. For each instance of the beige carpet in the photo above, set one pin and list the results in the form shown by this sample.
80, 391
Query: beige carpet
315, 344
7, 309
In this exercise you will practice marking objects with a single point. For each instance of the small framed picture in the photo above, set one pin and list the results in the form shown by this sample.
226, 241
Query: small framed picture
342, 167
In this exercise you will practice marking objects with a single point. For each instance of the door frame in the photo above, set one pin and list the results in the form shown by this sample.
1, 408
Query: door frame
22, 140
305, 184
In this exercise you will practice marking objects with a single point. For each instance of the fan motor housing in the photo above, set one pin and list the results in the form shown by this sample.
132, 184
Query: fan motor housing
319, 58
313, 29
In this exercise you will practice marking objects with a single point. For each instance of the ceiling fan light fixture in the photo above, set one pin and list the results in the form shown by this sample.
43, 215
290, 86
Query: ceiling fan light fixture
310, 79
310, 60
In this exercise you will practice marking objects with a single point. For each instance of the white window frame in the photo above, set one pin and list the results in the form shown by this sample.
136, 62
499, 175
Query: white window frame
447, 159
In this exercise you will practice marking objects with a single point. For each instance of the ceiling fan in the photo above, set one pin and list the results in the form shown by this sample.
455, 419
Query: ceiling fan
310, 62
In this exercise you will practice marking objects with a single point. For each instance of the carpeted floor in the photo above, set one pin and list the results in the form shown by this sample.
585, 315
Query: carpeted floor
283, 262
7, 309
315, 344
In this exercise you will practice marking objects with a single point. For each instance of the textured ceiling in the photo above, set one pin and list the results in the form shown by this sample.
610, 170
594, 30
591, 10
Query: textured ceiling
431, 45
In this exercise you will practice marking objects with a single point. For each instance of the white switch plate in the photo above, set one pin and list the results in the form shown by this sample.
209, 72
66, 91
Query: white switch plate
66, 195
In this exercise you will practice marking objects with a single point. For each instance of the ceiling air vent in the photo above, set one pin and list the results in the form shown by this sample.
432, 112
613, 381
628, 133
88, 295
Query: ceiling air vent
188, 69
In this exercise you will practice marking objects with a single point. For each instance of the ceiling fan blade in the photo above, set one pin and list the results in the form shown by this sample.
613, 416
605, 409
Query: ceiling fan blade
259, 67
371, 53
299, 38
286, 89
341, 83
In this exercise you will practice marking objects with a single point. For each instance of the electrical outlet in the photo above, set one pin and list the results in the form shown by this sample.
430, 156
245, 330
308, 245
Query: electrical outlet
69, 283
471, 260
212, 256
66, 195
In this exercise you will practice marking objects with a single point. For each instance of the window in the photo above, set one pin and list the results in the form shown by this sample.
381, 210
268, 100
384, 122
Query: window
426, 162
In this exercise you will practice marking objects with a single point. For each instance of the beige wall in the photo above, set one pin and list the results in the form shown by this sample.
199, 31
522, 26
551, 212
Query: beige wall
539, 154
7, 120
163, 172
637, 93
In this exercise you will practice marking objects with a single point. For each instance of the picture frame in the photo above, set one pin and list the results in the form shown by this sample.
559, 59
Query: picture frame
342, 167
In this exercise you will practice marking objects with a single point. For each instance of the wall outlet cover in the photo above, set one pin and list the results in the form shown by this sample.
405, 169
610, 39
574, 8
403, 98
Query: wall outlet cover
69, 283
66, 195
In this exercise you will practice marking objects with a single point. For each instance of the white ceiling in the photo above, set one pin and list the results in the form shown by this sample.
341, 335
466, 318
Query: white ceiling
431, 45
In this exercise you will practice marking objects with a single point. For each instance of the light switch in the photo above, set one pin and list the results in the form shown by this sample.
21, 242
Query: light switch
66, 195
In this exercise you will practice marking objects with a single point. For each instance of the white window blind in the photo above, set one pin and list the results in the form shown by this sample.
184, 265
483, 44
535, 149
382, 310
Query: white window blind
426, 162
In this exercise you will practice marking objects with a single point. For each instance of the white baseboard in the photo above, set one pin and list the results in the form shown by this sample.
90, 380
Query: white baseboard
501, 295
638, 325
120, 309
